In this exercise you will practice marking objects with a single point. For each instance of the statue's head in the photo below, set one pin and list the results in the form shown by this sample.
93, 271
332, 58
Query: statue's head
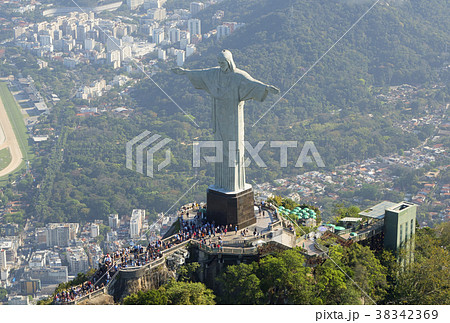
226, 62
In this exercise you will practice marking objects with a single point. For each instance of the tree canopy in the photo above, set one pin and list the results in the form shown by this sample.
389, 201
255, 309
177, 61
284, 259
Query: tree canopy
174, 293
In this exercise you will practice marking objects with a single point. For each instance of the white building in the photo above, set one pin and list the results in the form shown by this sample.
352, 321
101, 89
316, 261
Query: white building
41, 236
95, 230
53, 259
223, 31
38, 260
89, 44
125, 53
162, 54
195, 26
59, 234
113, 58
78, 260
113, 221
81, 33
185, 39
196, 7
9, 246
57, 34
174, 35
2, 258
45, 40
94, 90
67, 43
137, 222
157, 14
121, 31
119, 80
134, 4
181, 57
113, 43
70, 62
158, 35
190, 50
111, 236
18, 31
4, 274
95, 254
42, 63
153, 3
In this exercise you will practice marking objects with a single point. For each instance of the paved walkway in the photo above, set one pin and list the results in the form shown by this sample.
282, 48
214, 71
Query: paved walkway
309, 246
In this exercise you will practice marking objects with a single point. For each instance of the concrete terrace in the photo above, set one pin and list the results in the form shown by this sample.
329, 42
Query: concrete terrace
267, 224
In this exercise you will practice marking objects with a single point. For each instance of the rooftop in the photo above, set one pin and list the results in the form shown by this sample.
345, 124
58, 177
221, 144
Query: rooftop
6, 244
400, 206
377, 211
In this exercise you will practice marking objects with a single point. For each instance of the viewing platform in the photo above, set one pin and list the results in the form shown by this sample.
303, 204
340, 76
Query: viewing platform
249, 241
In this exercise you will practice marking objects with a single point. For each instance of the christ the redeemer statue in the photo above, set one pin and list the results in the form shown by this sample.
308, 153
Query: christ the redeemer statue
229, 88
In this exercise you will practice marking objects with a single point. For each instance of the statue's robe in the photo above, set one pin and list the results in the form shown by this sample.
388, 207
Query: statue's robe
229, 90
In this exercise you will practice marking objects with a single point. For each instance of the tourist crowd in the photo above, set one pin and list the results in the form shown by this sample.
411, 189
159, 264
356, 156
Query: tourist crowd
75, 292
137, 255
134, 256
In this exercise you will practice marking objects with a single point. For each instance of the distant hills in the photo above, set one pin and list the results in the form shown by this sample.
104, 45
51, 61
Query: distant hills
335, 104
394, 43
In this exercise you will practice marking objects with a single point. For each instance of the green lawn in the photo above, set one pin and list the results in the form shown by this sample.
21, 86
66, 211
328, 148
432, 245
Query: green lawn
18, 124
5, 158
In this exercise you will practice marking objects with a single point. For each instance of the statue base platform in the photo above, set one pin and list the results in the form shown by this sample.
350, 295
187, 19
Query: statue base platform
235, 208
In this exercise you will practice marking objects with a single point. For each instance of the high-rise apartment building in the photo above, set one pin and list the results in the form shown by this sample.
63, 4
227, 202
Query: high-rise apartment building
60, 234
223, 31
195, 26
134, 4
174, 35
196, 7
113, 221
137, 222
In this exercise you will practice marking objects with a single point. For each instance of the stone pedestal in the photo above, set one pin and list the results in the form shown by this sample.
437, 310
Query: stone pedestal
234, 208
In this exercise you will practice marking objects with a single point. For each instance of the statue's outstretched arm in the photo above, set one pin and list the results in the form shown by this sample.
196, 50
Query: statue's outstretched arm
273, 89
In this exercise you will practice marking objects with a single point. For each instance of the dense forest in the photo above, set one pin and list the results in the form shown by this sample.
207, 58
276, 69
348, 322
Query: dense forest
335, 104
351, 275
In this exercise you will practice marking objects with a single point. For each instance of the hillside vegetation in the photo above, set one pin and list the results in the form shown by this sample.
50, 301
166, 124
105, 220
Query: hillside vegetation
335, 104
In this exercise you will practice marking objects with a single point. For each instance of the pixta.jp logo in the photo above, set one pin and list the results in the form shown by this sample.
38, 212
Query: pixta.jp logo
151, 148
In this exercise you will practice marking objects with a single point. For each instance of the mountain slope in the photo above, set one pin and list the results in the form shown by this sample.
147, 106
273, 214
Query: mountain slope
335, 104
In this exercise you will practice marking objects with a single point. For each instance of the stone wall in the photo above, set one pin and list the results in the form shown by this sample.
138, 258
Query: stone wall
143, 279
211, 266
103, 299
